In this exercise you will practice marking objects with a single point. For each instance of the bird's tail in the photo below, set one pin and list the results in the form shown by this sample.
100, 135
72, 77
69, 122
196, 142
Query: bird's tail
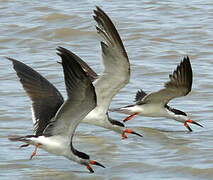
27, 139
124, 110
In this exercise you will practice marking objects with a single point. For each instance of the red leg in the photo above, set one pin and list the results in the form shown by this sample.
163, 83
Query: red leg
35, 151
130, 117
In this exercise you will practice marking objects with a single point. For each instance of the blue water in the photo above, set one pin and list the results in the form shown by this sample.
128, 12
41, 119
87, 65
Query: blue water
156, 35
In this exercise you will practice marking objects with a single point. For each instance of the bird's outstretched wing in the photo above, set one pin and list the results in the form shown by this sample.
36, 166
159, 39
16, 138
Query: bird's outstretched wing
81, 98
46, 99
89, 71
179, 85
116, 63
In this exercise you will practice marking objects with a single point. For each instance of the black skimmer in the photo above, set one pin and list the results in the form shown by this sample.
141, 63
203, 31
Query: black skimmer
156, 104
55, 121
115, 76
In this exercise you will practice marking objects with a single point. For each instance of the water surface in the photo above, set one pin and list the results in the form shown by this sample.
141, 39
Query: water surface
156, 35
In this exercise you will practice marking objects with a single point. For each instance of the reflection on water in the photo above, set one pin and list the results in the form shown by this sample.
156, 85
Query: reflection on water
156, 34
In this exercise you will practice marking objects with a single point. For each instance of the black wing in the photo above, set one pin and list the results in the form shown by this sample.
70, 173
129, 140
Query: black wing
89, 71
180, 84
81, 98
46, 99
140, 95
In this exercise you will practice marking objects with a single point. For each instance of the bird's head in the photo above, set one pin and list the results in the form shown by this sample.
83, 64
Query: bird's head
88, 163
84, 159
120, 128
181, 116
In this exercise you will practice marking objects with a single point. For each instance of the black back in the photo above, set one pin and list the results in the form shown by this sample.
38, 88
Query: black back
176, 111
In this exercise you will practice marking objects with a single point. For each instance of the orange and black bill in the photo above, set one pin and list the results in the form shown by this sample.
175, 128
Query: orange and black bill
96, 163
93, 163
193, 122
130, 131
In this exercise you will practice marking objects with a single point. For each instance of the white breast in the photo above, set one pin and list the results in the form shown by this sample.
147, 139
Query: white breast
54, 144
153, 110
95, 117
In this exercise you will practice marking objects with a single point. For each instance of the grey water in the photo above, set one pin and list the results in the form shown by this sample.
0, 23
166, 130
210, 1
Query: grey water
156, 35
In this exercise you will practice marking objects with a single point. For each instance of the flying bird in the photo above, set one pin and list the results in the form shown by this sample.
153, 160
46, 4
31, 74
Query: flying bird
155, 104
55, 120
115, 76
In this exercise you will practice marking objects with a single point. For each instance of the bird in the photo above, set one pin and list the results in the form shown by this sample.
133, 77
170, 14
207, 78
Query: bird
115, 76
155, 104
55, 120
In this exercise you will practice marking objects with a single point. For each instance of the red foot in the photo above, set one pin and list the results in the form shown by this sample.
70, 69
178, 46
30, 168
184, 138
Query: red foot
35, 151
130, 117
33, 154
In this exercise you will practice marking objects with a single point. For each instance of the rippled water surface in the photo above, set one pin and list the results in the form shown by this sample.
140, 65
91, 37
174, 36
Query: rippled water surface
156, 34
